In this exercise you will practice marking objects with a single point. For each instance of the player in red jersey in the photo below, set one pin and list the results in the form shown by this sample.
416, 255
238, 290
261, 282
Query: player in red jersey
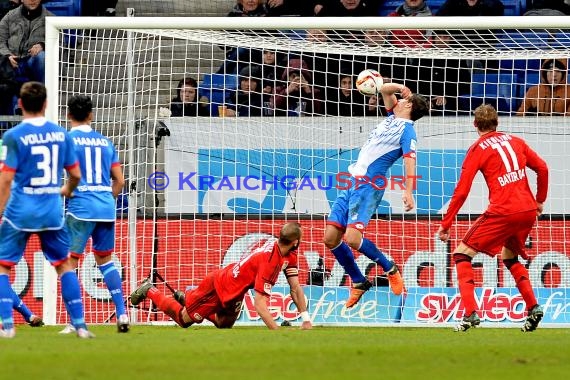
219, 296
508, 220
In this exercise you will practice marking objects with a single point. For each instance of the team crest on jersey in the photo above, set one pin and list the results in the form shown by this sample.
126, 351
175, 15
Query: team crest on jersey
285, 263
197, 317
359, 226
267, 288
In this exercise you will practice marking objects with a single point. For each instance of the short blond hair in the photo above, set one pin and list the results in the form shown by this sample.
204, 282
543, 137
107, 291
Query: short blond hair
486, 118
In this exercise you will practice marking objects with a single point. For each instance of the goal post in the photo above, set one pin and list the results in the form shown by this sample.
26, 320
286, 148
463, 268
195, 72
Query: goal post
203, 190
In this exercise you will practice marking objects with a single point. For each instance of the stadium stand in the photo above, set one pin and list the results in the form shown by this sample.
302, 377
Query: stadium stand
504, 91
512, 7
64, 8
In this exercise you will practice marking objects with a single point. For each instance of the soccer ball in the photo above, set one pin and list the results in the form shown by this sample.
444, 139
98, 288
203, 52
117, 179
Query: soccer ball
369, 82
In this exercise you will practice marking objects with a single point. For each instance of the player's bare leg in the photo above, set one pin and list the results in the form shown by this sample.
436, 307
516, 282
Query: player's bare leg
522, 281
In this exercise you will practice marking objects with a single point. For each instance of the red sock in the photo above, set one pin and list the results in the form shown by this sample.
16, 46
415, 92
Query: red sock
168, 305
520, 274
466, 282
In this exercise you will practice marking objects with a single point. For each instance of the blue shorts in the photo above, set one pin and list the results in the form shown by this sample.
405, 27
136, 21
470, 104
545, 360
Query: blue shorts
355, 206
55, 244
101, 233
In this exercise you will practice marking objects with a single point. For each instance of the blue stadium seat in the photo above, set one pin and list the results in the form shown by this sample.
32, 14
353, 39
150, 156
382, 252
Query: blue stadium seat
501, 90
512, 7
218, 88
64, 7
525, 39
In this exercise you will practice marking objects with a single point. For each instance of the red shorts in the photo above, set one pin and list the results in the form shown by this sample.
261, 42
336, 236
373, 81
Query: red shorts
490, 233
203, 302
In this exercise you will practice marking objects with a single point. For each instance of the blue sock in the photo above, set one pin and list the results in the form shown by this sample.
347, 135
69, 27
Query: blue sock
113, 281
6, 302
20, 306
71, 294
344, 256
373, 253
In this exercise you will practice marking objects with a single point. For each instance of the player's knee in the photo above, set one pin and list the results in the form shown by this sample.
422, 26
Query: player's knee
510, 262
353, 238
330, 241
461, 257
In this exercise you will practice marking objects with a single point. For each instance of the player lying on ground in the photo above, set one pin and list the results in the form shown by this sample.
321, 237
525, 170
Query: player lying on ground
505, 225
218, 298
395, 137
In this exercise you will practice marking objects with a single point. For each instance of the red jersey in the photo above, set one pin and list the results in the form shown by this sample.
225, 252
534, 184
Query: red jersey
258, 269
502, 158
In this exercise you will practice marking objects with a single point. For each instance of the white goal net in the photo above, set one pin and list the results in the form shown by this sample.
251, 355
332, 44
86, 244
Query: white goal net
208, 181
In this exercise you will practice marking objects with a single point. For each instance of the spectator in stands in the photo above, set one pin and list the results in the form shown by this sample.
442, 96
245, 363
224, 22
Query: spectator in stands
552, 95
547, 8
346, 101
299, 96
270, 71
471, 8
375, 107
249, 8
411, 38
346, 8
249, 100
8, 5
441, 80
22, 35
290, 8
186, 101
99, 8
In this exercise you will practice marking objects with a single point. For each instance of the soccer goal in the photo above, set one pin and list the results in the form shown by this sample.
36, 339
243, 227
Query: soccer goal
203, 190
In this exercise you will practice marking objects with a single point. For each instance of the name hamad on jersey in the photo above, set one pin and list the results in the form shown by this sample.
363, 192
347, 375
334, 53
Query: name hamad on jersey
36, 151
93, 199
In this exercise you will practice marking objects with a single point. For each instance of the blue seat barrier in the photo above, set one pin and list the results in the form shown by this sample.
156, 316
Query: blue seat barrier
64, 7
501, 90
218, 88
531, 39
512, 7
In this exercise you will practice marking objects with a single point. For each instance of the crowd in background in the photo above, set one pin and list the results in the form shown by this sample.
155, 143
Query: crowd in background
277, 83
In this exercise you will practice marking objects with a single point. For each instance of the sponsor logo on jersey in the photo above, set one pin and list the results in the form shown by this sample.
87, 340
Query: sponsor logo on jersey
198, 317
267, 288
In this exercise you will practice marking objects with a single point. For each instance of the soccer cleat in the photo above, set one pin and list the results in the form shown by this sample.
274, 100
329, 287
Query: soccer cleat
533, 319
356, 293
180, 297
85, 334
395, 280
68, 329
467, 322
10, 333
123, 324
140, 293
35, 321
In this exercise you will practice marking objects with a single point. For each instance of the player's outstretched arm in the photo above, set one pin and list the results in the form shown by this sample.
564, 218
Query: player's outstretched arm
388, 92
407, 196
262, 310
299, 298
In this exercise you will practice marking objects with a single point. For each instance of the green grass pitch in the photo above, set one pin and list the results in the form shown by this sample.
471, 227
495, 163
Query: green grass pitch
169, 352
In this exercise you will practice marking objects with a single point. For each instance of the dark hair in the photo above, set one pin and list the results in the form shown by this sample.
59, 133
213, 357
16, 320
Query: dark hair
486, 118
289, 233
420, 107
79, 107
187, 82
33, 96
